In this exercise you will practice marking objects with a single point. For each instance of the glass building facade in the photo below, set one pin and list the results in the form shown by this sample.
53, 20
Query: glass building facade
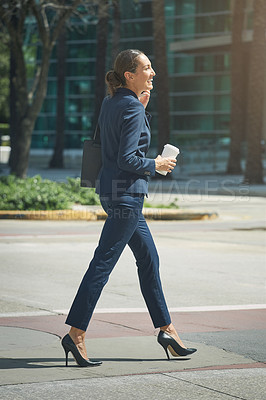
199, 79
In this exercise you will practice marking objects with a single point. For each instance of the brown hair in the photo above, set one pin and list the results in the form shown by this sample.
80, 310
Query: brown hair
127, 60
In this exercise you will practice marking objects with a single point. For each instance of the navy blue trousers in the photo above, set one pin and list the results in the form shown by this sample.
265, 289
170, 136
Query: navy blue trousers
124, 225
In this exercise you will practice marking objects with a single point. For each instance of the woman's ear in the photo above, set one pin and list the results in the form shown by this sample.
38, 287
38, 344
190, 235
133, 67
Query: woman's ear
128, 76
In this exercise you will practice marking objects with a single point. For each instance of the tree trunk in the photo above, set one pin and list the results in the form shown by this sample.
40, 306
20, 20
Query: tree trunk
254, 169
23, 142
102, 32
27, 112
13, 123
57, 160
237, 125
161, 81
116, 30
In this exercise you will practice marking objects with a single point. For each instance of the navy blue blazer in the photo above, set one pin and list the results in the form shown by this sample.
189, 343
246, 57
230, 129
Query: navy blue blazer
125, 138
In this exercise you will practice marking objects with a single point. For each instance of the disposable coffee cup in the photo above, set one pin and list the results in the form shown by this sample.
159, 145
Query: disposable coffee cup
169, 151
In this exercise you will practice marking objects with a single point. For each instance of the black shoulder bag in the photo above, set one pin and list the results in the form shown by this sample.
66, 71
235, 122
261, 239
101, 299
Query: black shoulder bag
91, 160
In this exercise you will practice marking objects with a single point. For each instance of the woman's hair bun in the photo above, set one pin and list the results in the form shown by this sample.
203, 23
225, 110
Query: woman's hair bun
113, 81
113, 77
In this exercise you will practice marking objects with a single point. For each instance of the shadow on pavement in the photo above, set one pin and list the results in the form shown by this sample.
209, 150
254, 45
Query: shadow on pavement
11, 363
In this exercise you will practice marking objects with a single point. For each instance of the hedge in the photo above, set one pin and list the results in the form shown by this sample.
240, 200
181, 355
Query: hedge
43, 194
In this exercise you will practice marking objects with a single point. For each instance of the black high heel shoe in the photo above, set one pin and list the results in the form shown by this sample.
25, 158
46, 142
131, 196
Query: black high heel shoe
170, 343
69, 346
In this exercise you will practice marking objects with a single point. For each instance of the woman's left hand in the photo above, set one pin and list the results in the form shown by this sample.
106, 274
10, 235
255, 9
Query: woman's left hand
144, 98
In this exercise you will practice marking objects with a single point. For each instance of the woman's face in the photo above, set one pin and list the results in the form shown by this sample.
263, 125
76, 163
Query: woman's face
142, 79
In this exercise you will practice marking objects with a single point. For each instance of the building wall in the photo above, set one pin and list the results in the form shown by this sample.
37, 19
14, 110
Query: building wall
199, 81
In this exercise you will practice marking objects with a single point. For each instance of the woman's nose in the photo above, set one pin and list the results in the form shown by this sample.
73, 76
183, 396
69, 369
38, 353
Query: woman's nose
153, 72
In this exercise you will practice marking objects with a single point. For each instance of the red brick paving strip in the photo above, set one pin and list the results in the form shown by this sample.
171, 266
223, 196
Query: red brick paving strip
105, 325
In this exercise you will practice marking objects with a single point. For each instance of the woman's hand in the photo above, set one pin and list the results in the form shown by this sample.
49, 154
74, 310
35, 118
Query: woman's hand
165, 164
144, 98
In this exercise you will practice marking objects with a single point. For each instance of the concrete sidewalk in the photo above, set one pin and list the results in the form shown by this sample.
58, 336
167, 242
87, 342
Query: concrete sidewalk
134, 364
220, 265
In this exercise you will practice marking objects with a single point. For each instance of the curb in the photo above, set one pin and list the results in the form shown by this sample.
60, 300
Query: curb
96, 215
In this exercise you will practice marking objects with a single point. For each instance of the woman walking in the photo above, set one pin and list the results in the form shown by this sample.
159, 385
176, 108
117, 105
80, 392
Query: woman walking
123, 183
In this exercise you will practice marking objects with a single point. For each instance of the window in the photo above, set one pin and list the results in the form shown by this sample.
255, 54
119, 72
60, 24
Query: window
199, 83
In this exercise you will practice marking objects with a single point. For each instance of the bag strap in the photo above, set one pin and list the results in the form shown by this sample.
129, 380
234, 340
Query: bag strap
96, 136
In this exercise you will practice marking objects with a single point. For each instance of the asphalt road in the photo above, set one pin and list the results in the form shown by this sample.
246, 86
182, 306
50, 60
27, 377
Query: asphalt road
203, 263
205, 266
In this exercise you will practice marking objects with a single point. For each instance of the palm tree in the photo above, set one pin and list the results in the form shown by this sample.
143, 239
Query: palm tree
57, 160
237, 125
254, 169
160, 62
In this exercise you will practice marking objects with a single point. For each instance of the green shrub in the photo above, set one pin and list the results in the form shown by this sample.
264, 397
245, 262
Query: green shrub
80, 195
42, 194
